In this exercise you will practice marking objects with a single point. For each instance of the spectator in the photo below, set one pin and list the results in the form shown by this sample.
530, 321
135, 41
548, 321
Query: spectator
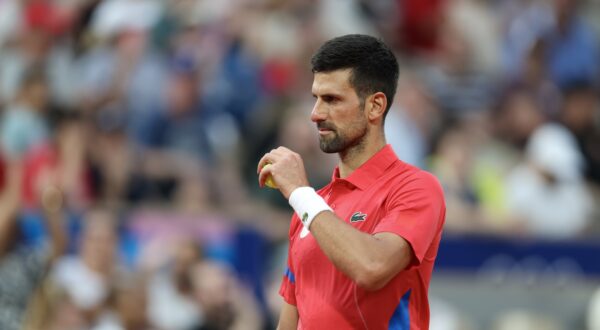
410, 124
227, 304
171, 300
471, 164
523, 22
180, 127
479, 24
457, 85
123, 72
453, 163
579, 114
518, 116
420, 24
175, 142
534, 78
63, 157
52, 309
22, 268
38, 41
572, 46
546, 192
10, 19
87, 277
127, 308
24, 125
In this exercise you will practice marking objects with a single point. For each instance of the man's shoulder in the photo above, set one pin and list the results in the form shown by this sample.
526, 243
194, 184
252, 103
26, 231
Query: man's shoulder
416, 186
408, 176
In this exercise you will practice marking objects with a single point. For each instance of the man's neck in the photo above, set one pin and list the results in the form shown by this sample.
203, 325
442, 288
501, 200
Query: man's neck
355, 156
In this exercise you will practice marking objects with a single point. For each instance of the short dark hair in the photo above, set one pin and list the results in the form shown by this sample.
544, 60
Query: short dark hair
373, 64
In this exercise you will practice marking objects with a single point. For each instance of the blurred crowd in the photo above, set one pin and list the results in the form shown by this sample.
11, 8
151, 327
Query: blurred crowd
130, 131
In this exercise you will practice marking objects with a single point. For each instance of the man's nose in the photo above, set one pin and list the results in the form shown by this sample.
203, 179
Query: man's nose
318, 113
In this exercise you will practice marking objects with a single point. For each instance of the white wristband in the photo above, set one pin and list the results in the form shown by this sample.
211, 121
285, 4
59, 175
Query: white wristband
307, 204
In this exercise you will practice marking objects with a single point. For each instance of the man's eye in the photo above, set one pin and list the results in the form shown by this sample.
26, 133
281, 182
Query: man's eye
329, 99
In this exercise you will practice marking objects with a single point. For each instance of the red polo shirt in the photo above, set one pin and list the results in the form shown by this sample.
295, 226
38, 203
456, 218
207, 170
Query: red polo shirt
383, 195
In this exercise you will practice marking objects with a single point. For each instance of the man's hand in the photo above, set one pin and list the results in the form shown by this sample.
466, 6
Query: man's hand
287, 170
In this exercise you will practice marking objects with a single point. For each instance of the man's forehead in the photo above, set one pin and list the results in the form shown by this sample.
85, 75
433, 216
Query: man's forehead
338, 80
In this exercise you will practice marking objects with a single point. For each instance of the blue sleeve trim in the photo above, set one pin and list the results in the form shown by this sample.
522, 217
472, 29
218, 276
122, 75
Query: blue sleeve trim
401, 318
290, 275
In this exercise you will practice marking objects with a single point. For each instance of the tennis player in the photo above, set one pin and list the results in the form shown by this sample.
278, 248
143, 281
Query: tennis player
362, 248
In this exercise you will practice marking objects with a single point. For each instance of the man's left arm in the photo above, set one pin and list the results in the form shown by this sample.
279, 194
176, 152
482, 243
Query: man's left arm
370, 260
402, 237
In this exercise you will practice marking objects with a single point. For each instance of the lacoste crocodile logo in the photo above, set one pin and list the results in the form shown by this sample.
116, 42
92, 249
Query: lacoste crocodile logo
358, 216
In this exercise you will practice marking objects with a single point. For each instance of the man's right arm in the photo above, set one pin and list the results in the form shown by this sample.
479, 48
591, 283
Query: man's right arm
288, 319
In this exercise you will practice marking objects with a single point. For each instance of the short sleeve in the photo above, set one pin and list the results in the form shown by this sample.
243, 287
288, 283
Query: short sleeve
288, 284
416, 213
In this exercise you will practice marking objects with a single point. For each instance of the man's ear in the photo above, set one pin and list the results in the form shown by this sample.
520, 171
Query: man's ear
376, 104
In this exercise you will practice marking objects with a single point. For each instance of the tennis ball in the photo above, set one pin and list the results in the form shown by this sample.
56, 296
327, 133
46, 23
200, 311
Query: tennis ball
269, 181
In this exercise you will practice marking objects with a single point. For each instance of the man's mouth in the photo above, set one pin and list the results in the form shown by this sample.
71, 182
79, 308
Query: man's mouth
324, 131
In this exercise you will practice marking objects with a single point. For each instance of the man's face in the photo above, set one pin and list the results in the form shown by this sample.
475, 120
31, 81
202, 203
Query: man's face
338, 111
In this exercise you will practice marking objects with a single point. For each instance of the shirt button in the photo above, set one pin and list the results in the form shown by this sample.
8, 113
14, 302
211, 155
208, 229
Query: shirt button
333, 206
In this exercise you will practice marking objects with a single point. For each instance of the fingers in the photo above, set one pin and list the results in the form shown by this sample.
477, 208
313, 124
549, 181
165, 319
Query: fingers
268, 158
264, 174
272, 157
262, 169
275, 158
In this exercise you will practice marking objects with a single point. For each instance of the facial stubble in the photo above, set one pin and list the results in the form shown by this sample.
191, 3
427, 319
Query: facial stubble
341, 142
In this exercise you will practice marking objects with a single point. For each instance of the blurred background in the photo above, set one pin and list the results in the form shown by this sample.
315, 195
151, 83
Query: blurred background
130, 131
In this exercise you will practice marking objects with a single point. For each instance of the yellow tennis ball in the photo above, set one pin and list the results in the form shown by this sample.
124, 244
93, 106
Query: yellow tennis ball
269, 181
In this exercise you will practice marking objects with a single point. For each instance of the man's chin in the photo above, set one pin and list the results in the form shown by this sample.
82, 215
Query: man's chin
328, 147
328, 151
